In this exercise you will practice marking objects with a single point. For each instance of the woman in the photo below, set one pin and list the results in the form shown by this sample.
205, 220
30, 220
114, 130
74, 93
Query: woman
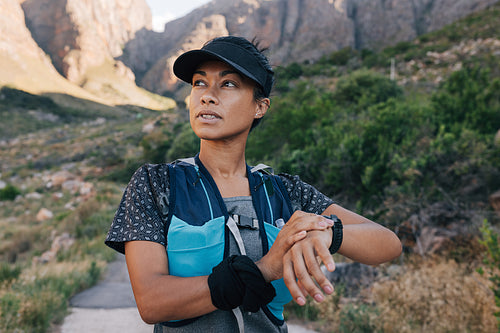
212, 244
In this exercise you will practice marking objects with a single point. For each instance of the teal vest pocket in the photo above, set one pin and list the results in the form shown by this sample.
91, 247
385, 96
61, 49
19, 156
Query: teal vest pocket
283, 296
194, 250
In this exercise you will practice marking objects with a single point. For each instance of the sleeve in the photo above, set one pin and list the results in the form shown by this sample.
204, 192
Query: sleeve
303, 196
139, 216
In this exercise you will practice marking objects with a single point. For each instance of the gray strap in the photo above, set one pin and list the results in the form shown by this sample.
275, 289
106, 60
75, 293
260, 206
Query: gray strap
231, 224
239, 318
262, 167
189, 160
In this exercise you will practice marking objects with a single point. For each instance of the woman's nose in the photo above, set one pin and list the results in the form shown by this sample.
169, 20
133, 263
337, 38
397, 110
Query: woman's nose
209, 96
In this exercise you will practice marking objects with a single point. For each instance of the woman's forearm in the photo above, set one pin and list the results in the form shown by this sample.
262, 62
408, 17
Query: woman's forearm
363, 240
369, 243
160, 296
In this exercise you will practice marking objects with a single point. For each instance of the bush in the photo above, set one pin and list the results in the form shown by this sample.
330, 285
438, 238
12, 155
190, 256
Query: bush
489, 239
357, 319
340, 58
8, 272
32, 306
364, 88
469, 98
9, 192
435, 297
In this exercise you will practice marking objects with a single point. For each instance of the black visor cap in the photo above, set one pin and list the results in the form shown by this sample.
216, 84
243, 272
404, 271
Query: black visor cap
234, 55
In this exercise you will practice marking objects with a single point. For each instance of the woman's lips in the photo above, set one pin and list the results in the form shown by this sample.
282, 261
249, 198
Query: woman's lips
208, 115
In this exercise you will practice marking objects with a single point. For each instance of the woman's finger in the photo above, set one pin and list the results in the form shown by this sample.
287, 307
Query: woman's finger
305, 266
291, 281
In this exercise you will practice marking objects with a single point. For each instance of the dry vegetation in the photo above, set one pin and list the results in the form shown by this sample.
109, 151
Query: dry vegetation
431, 295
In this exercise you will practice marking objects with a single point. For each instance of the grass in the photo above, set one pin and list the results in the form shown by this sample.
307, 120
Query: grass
33, 295
38, 297
434, 295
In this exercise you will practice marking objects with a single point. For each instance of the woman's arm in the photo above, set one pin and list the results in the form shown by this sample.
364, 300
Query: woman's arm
160, 296
363, 241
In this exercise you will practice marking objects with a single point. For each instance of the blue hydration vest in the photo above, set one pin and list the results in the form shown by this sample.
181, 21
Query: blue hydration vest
197, 234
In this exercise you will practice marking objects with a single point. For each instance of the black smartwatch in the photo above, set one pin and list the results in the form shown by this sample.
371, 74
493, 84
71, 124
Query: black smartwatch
337, 233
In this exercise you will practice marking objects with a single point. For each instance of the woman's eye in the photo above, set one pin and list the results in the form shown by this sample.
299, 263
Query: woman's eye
198, 83
228, 84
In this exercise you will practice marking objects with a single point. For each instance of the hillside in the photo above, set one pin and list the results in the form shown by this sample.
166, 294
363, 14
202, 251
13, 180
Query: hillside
50, 47
417, 153
104, 50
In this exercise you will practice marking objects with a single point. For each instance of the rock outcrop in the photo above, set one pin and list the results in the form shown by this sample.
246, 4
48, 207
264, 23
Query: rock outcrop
105, 46
294, 30
80, 39
22, 62
160, 77
79, 34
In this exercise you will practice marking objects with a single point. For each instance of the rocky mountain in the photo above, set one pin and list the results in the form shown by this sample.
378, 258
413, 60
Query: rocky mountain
107, 46
70, 46
294, 30
22, 61
82, 34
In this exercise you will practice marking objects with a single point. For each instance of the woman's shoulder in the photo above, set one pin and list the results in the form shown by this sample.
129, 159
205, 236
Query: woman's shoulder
291, 181
304, 196
152, 171
150, 176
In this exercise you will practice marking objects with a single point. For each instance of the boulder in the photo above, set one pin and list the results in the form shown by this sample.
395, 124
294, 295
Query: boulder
44, 214
353, 276
61, 242
495, 201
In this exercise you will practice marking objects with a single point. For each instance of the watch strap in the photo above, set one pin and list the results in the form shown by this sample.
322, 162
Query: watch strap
338, 234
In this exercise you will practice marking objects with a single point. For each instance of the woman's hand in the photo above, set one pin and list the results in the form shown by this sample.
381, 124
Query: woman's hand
364, 241
301, 266
295, 230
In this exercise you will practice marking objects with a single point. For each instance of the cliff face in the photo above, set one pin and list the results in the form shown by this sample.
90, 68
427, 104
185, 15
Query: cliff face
294, 30
22, 62
379, 23
14, 36
79, 34
89, 39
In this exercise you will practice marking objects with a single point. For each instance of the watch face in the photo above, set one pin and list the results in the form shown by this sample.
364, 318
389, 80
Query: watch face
334, 218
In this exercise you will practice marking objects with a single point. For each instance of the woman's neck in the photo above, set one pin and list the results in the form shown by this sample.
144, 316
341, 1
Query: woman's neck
223, 160
226, 164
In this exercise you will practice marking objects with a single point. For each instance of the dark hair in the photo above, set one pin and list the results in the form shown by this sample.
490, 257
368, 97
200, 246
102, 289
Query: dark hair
254, 48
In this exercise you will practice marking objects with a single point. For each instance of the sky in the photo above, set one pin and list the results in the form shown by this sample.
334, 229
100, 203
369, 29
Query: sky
167, 10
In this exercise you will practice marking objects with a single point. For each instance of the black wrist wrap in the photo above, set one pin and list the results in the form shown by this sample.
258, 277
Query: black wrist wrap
238, 281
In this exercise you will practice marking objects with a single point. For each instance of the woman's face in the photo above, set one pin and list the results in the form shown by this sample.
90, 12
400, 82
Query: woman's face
222, 104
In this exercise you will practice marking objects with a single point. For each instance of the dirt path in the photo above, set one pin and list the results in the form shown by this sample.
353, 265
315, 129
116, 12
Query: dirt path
109, 307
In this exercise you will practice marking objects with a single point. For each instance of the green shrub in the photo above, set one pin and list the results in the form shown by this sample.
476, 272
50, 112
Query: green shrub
185, 144
357, 319
33, 306
9, 272
341, 57
470, 98
490, 240
9, 192
364, 88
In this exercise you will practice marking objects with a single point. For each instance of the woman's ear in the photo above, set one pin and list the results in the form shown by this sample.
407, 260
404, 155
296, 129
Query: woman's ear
262, 107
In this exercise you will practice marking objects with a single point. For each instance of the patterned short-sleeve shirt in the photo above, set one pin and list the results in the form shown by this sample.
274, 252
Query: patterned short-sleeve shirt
143, 209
